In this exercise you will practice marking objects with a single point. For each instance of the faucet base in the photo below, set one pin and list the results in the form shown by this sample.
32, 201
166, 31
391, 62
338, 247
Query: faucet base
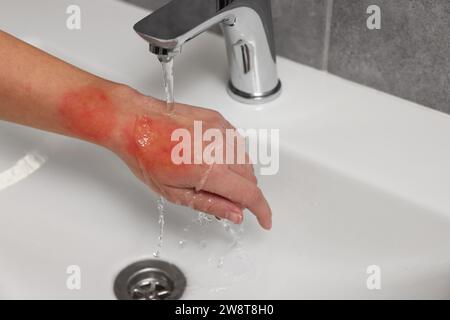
248, 98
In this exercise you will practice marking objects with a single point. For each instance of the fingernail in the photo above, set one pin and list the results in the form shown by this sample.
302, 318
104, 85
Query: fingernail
236, 218
269, 224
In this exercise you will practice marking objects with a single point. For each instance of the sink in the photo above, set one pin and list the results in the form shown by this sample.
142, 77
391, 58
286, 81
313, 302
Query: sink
363, 182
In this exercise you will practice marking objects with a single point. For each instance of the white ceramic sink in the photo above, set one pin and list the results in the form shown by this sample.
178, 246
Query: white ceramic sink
364, 180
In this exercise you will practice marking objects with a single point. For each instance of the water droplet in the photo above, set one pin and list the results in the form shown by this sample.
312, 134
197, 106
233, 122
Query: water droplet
220, 262
235, 236
203, 219
226, 225
182, 243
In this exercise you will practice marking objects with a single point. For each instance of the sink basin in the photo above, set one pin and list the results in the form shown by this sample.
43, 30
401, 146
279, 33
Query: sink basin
363, 182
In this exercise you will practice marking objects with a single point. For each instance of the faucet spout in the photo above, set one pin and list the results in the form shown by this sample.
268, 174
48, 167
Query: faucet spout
248, 31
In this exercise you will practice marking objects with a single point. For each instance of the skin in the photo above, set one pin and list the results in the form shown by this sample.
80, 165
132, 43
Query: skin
41, 91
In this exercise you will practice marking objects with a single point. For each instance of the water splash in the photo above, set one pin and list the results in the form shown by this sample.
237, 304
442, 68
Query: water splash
203, 219
236, 236
220, 262
182, 243
224, 262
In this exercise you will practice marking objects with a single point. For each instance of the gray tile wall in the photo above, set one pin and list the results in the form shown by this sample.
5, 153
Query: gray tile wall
409, 57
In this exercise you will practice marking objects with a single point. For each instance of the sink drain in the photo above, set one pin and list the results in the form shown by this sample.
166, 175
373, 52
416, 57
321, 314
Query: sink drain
150, 280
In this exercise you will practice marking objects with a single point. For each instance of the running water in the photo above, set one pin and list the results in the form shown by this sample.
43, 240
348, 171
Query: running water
167, 66
235, 236
161, 212
203, 220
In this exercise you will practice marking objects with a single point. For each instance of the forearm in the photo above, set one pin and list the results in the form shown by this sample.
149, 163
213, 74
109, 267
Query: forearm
41, 91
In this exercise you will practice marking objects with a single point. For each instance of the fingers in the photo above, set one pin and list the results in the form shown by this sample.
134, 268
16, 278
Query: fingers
206, 202
244, 170
228, 184
241, 162
217, 121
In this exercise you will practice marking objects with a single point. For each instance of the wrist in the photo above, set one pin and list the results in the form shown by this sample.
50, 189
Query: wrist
99, 111
130, 105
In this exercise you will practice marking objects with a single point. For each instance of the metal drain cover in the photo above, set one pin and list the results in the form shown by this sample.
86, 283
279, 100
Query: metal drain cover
150, 280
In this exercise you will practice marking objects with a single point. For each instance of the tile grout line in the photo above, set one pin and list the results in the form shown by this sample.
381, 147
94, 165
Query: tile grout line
327, 36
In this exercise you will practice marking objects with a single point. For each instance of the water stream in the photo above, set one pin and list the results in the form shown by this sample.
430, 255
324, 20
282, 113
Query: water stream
203, 220
161, 211
167, 67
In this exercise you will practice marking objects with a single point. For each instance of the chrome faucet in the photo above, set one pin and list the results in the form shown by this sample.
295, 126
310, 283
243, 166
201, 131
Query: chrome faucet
248, 31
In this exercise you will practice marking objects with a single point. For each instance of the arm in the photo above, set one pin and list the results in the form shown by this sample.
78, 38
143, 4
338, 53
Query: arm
41, 91
37, 90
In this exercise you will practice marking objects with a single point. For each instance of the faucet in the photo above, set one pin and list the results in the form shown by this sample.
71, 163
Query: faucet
248, 32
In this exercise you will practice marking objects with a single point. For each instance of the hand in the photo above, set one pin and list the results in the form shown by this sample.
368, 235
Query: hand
144, 143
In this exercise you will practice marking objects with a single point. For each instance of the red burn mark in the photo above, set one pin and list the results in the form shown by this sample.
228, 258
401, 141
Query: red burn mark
89, 114
149, 141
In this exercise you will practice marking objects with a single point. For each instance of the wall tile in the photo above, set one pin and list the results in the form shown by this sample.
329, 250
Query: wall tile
148, 4
410, 55
300, 30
